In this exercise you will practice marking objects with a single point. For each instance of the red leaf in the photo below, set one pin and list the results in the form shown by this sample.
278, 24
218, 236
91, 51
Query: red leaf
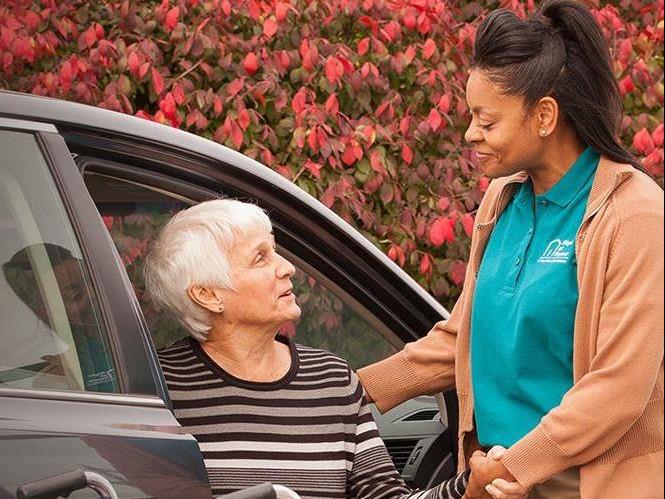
226, 7
382, 108
217, 105
429, 48
312, 140
251, 63
313, 168
133, 63
458, 272
407, 154
625, 50
157, 81
234, 87
266, 155
376, 163
467, 223
236, 134
441, 231
404, 125
332, 105
444, 104
178, 94
444, 203
172, 17
653, 163
363, 46
626, 85
243, 119
643, 143
410, 19
143, 70
334, 69
483, 184
349, 155
434, 119
299, 101
281, 10
396, 254
32, 19
425, 265
269, 27
168, 106
254, 10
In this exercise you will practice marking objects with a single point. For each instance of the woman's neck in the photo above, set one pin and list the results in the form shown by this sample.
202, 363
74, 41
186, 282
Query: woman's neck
559, 154
248, 354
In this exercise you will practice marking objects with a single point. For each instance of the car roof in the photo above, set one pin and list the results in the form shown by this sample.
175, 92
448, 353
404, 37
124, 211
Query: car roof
69, 114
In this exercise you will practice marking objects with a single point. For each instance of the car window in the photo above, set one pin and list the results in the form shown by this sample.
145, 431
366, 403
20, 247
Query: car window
135, 213
51, 334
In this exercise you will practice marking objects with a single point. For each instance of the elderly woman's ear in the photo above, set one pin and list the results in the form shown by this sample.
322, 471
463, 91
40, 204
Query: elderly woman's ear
206, 297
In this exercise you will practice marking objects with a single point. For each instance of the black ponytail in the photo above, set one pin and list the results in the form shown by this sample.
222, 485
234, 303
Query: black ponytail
559, 52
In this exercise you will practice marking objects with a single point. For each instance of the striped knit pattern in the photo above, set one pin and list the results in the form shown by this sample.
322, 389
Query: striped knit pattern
311, 431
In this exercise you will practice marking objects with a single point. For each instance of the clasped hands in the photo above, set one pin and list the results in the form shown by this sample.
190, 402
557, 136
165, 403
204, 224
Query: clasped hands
490, 479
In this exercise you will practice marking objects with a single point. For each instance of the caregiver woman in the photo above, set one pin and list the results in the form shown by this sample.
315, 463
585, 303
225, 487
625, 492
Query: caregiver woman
555, 346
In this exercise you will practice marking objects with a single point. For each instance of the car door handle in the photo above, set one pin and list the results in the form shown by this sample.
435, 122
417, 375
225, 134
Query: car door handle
64, 484
263, 491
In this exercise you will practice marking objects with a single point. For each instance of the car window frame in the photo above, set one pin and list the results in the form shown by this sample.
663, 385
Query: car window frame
189, 192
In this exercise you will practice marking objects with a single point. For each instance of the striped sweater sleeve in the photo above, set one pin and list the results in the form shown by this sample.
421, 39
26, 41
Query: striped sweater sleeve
373, 474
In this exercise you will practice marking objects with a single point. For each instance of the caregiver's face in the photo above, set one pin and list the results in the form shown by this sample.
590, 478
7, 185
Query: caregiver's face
502, 132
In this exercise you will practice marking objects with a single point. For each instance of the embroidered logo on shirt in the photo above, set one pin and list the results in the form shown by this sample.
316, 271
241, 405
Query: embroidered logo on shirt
557, 251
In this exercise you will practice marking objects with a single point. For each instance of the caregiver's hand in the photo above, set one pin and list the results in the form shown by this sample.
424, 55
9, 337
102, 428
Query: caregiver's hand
501, 488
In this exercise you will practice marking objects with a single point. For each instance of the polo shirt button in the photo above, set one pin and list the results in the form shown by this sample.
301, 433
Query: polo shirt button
544, 202
517, 260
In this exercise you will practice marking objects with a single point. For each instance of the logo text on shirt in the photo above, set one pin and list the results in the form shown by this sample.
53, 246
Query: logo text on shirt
557, 251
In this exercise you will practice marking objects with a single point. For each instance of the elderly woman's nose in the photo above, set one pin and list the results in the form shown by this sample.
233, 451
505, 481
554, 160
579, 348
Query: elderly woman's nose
284, 267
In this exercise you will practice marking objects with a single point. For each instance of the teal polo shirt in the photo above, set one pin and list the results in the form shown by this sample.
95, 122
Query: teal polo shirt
524, 307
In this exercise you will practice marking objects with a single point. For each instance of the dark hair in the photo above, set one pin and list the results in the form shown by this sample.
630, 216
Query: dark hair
559, 52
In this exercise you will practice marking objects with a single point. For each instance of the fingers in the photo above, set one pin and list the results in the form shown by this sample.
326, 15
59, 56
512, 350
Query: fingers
496, 452
503, 489
478, 453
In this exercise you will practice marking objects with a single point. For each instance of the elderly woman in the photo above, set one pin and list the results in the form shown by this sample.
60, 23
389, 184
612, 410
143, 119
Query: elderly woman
262, 408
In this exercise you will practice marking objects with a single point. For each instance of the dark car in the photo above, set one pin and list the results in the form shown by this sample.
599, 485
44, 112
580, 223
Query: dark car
82, 193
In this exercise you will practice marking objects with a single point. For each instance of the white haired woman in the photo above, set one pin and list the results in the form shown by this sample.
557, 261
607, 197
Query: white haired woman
262, 408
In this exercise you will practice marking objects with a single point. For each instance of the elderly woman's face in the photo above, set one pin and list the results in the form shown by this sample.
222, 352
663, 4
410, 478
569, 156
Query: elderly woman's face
262, 289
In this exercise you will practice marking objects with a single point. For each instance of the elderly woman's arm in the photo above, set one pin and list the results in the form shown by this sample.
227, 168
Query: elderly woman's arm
373, 473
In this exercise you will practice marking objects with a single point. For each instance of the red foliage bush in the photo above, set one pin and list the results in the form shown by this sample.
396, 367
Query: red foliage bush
360, 102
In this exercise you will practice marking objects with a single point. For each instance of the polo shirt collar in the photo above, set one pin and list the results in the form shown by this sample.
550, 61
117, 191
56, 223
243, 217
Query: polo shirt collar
577, 176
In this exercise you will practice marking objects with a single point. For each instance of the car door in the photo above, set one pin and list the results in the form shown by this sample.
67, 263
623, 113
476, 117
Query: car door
79, 383
356, 306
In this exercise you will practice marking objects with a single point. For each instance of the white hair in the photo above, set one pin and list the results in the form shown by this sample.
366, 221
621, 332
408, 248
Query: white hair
193, 249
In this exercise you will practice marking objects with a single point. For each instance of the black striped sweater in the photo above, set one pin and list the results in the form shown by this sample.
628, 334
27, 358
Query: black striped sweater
311, 431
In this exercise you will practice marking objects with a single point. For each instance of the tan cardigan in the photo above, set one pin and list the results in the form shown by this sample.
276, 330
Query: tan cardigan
611, 421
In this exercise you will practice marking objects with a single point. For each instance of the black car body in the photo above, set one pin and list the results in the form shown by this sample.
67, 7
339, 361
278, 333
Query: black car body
83, 188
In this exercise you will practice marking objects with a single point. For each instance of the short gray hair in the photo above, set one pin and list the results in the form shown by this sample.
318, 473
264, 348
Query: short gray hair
193, 249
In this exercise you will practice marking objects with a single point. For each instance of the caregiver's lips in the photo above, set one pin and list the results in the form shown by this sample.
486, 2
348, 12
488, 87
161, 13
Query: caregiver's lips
483, 156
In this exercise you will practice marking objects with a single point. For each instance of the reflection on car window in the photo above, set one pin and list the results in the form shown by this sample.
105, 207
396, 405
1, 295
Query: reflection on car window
51, 334
134, 215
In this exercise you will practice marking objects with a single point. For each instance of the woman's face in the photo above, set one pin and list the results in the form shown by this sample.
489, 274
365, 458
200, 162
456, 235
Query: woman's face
503, 133
261, 278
